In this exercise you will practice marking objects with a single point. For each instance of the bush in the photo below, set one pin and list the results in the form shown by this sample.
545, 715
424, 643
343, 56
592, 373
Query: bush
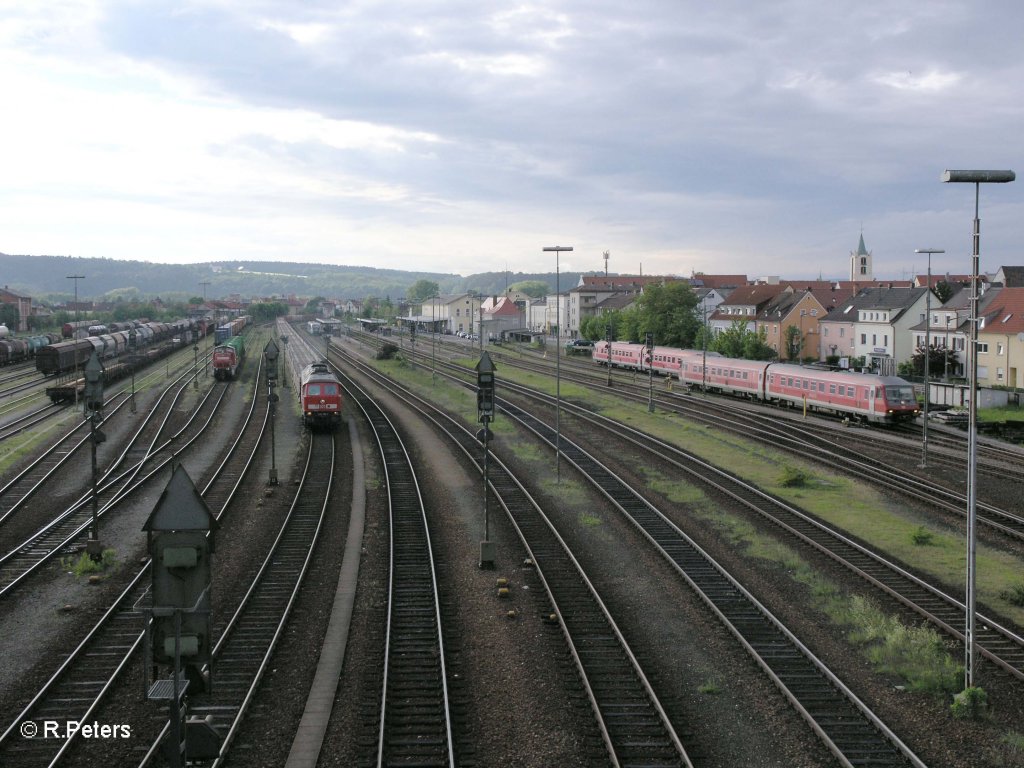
793, 477
970, 704
387, 351
922, 537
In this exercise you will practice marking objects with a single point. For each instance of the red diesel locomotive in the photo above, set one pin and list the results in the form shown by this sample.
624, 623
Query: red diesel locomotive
320, 397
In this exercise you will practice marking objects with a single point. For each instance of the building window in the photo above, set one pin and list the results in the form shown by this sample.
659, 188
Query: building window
982, 348
842, 332
863, 338
999, 374
999, 348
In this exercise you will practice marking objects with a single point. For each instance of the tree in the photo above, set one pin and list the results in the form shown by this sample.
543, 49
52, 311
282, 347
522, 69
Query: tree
793, 341
596, 327
9, 315
739, 341
944, 291
667, 311
421, 290
941, 359
195, 300
313, 305
535, 289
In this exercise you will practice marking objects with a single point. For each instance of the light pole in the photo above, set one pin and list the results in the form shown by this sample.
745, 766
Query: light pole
94, 412
132, 336
74, 334
270, 352
704, 353
433, 336
927, 350
977, 178
195, 365
608, 349
557, 249
204, 283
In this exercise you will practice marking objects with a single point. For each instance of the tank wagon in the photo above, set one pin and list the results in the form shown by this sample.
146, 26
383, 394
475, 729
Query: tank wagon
227, 358
863, 396
320, 397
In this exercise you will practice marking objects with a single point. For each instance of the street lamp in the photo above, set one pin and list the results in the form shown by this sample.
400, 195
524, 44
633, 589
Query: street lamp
927, 349
557, 249
270, 352
977, 178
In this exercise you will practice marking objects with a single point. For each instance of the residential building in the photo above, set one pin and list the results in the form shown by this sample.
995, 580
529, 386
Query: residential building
21, 302
1001, 339
743, 303
800, 310
593, 289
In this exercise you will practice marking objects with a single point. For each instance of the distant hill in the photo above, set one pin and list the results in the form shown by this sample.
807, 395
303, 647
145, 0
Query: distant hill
47, 276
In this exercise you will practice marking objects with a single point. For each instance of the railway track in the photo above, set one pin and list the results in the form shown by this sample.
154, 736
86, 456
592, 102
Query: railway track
634, 727
1002, 646
245, 647
140, 462
414, 720
77, 689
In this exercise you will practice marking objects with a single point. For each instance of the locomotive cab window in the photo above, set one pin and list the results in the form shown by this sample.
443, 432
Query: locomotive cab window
313, 389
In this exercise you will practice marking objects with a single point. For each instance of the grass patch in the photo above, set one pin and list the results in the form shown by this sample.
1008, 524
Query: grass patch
710, 687
590, 520
84, 565
916, 655
1014, 740
1006, 413
1014, 594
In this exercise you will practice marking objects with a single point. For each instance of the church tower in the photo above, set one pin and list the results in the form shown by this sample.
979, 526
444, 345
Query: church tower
860, 262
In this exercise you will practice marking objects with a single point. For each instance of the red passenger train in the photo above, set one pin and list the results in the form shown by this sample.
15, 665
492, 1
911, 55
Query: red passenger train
320, 397
863, 396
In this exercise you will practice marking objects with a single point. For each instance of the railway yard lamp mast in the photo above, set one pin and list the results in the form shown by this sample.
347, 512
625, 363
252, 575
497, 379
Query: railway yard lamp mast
557, 250
74, 335
132, 337
270, 352
608, 348
977, 178
927, 350
649, 359
94, 412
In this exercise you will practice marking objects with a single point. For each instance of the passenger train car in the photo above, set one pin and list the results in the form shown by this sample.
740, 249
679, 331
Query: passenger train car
320, 397
864, 396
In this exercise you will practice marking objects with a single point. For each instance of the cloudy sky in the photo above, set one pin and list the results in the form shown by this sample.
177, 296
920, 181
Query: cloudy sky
731, 136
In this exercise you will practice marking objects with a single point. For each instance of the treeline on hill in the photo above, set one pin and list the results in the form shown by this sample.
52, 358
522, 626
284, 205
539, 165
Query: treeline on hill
45, 278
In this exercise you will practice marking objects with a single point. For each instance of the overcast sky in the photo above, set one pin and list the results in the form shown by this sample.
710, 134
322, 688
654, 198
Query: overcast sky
732, 136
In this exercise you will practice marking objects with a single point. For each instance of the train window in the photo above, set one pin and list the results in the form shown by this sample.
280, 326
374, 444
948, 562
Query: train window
851, 391
831, 389
313, 389
805, 384
330, 389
